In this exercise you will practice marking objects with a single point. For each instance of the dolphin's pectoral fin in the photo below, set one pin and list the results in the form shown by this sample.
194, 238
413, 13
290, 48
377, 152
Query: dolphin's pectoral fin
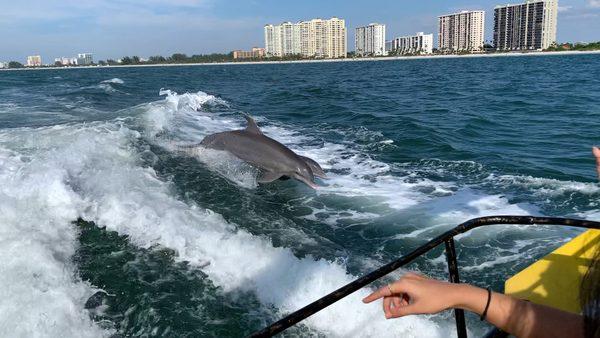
252, 126
268, 176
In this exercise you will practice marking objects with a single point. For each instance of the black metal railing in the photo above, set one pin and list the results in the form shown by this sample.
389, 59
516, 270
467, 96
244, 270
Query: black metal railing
448, 239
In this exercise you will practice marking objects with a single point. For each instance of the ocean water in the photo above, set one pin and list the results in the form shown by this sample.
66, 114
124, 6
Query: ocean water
108, 228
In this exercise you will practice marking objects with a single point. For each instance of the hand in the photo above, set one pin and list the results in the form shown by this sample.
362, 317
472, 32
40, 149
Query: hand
415, 294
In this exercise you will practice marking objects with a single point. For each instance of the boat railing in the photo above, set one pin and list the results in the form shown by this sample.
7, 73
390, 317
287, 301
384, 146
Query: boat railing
447, 238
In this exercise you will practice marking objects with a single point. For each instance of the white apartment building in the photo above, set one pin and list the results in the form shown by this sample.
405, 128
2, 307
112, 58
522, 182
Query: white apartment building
420, 43
34, 61
66, 61
525, 26
85, 59
290, 38
282, 40
462, 31
315, 38
370, 40
3, 64
273, 40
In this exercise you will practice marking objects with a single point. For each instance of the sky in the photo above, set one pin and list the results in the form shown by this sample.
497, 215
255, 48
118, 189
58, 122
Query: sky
115, 28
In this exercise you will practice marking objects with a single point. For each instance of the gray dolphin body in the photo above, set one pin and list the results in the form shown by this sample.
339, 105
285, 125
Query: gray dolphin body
275, 160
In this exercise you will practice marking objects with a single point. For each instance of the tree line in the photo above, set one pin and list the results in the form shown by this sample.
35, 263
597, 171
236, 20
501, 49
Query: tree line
175, 58
219, 57
183, 58
575, 46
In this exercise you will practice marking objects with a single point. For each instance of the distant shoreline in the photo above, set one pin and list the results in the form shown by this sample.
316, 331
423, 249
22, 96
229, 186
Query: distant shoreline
387, 58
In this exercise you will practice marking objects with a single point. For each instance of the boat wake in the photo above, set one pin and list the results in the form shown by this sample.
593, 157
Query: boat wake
101, 172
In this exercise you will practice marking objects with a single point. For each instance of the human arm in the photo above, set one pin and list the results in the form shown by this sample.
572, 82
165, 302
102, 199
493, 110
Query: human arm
596, 152
415, 294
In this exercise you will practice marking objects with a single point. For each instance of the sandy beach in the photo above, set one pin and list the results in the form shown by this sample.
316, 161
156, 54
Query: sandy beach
388, 58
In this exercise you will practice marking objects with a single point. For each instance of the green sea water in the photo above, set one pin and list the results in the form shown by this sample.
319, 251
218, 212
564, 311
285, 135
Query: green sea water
109, 228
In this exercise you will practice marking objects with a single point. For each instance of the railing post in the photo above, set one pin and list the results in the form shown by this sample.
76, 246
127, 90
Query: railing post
459, 315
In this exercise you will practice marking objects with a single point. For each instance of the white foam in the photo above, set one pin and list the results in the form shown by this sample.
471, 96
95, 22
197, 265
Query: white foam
449, 211
468, 203
593, 215
546, 187
227, 165
114, 80
333, 216
159, 117
40, 295
106, 88
351, 172
92, 172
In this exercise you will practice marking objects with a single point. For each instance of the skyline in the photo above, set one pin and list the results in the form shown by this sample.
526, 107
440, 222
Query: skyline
112, 29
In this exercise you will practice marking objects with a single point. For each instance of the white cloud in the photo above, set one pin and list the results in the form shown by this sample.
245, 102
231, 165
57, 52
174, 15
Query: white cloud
563, 9
594, 3
42, 10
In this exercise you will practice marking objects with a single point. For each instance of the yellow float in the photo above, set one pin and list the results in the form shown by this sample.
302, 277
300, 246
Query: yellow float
555, 279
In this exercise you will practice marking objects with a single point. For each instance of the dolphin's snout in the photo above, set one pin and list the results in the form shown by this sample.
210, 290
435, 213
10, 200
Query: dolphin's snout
314, 186
306, 180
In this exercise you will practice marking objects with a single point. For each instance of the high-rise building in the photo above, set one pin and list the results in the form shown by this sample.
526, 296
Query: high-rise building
66, 61
315, 38
290, 38
282, 40
273, 40
323, 38
524, 26
370, 40
461, 32
420, 43
84, 59
34, 61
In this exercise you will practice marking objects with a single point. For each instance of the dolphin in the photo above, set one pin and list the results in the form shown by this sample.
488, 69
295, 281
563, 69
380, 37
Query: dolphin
274, 160
314, 166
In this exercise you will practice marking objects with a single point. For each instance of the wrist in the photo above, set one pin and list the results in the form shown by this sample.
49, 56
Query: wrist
470, 298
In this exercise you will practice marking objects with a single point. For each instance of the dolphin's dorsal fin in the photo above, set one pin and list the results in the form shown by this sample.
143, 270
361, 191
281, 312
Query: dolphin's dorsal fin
252, 127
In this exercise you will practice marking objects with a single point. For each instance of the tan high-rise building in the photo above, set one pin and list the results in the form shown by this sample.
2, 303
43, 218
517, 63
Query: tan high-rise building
255, 53
315, 38
529, 25
323, 38
461, 32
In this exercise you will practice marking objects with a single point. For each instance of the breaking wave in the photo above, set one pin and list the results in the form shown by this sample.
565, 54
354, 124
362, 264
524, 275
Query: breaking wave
93, 172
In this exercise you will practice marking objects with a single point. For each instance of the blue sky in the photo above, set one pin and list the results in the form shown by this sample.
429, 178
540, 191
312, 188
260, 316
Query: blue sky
111, 28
